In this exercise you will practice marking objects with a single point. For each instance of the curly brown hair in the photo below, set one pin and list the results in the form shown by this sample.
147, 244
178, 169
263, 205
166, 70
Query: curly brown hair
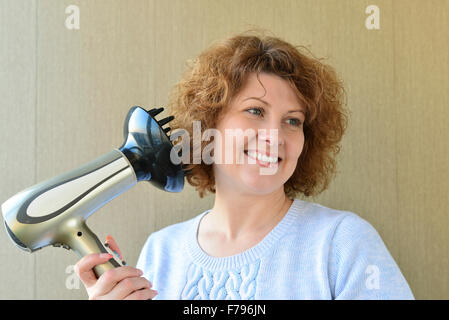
219, 72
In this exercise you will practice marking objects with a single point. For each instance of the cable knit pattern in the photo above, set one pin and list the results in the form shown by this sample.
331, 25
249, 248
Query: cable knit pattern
233, 284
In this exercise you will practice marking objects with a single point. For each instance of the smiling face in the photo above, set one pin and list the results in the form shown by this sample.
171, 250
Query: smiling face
274, 122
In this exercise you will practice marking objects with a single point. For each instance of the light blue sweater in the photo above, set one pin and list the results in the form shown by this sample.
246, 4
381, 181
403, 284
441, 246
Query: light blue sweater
314, 252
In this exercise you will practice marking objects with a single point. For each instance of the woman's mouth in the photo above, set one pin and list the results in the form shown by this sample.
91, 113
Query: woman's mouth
263, 159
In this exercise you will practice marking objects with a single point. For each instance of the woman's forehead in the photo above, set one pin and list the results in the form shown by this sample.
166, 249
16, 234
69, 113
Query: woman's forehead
268, 88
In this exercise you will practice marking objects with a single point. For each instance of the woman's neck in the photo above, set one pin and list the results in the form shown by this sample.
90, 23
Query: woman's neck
236, 215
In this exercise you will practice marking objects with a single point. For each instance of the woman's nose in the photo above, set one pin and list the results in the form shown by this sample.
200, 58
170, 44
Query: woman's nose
271, 136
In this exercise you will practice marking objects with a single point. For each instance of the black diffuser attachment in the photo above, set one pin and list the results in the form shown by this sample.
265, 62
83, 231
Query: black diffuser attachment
147, 146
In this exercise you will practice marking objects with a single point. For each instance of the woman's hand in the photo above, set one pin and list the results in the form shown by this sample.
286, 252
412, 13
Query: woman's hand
120, 283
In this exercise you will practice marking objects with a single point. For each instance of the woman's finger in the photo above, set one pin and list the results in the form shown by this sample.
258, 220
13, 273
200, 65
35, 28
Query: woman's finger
143, 294
113, 245
127, 286
111, 278
84, 267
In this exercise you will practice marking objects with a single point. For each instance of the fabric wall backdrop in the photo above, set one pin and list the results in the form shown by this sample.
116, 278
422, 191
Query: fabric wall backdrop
65, 94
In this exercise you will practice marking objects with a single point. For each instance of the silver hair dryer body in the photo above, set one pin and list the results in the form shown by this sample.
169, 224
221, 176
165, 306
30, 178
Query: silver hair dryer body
54, 212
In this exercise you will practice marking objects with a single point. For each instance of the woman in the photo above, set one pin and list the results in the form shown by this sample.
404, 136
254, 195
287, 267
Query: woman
258, 241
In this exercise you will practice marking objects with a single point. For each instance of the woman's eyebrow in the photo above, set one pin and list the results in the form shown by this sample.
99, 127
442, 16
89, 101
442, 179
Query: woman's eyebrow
261, 100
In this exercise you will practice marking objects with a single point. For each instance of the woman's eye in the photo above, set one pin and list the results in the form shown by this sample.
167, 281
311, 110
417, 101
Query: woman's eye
259, 112
295, 122
255, 111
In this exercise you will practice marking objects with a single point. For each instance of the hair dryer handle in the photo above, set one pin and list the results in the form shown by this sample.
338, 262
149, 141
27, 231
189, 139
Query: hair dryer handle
86, 242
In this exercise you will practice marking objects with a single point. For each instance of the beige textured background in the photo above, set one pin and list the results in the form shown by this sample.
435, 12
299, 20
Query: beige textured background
64, 95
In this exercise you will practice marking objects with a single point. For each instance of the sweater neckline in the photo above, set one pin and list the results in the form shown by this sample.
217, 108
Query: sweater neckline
248, 256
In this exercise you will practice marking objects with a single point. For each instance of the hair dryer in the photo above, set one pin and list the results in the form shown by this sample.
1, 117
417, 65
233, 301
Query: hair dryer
54, 212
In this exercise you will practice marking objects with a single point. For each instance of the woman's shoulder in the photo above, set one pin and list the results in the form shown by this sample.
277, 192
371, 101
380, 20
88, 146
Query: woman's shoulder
332, 222
318, 214
360, 265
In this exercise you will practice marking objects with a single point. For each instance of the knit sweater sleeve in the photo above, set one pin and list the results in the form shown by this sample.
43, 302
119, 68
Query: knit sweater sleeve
360, 265
145, 262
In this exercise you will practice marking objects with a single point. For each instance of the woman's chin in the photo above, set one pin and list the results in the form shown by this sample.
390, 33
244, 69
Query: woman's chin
260, 184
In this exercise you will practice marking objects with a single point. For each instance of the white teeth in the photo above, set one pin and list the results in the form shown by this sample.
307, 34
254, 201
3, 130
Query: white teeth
262, 157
